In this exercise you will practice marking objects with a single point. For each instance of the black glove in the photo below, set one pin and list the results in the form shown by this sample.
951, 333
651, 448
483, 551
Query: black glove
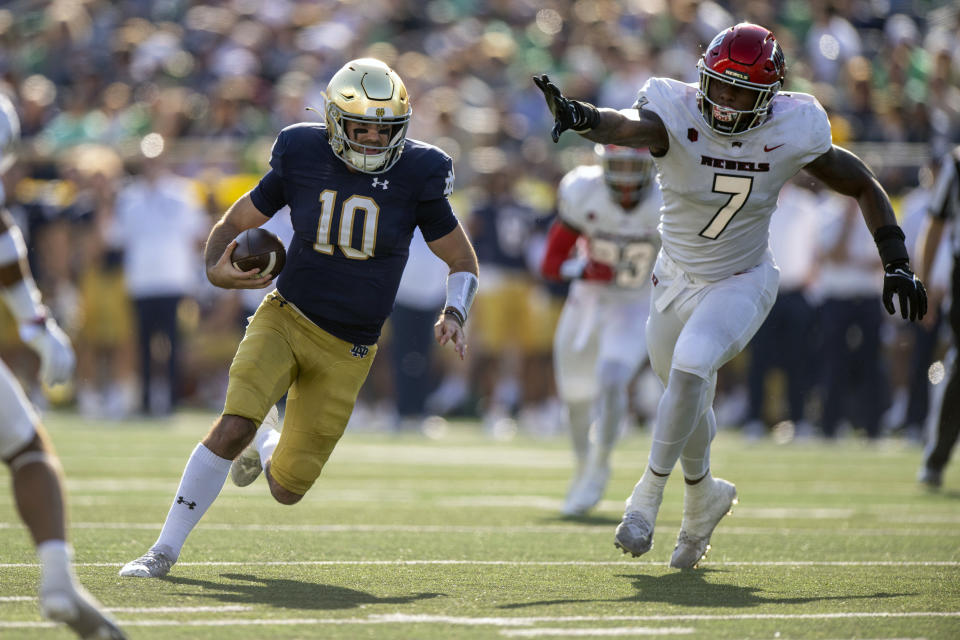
899, 279
567, 114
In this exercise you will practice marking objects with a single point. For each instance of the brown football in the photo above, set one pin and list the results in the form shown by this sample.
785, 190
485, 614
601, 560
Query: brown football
259, 249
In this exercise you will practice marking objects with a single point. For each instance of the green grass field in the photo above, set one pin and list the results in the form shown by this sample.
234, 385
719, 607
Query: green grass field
405, 537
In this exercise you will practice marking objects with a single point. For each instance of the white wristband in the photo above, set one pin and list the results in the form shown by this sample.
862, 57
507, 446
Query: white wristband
461, 289
23, 300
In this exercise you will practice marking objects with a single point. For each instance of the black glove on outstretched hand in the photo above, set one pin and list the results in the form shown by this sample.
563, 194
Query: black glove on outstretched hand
567, 113
899, 279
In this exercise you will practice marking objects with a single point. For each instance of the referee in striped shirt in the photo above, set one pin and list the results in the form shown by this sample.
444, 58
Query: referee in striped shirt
944, 210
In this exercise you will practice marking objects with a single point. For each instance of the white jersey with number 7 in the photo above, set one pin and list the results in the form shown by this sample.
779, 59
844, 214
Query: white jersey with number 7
719, 192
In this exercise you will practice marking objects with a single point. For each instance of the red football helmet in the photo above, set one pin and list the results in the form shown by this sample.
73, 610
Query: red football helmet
748, 56
626, 170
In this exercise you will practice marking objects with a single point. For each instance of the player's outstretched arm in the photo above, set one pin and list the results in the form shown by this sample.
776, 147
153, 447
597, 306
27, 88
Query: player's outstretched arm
845, 173
455, 249
241, 215
607, 126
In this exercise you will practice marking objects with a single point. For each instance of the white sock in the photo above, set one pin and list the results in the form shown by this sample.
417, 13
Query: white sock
202, 480
647, 493
265, 442
56, 562
694, 491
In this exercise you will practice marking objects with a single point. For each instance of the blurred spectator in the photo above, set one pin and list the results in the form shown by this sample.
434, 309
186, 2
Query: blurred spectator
919, 343
106, 356
161, 229
783, 341
419, 300
852, 378
513, 318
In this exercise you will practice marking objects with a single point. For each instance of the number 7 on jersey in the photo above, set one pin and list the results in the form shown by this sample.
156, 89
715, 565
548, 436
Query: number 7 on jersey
739, 189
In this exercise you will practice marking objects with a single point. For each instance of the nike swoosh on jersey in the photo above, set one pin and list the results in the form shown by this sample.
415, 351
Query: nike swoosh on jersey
766, 148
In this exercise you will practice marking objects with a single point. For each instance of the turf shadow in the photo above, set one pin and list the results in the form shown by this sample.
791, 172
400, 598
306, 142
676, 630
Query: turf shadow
284, 593
587, 519
690, 589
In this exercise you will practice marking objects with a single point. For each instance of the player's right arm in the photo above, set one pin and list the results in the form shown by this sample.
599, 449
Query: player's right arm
241, 215
608, 126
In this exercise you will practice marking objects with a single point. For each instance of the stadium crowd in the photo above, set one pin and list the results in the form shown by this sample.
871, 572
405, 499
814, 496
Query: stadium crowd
142, 120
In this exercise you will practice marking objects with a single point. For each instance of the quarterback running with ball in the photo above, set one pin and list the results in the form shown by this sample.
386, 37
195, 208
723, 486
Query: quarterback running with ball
723, 149
357, 188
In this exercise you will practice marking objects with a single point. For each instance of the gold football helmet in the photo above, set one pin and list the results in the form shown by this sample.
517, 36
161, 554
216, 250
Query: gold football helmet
367, 91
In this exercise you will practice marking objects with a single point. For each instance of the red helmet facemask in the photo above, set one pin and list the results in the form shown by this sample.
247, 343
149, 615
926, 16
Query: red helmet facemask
746, 56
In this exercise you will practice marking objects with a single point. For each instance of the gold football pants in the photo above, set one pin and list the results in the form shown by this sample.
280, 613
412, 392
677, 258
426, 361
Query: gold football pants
283, 350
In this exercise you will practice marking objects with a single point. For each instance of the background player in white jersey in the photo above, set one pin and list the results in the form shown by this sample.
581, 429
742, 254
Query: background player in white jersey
605, 239
24, 445
723, 150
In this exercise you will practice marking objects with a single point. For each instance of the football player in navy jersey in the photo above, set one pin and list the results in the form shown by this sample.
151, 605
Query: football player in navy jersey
357, 188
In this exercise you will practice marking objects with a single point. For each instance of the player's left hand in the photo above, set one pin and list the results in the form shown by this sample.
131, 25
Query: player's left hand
448, 329
567, 113
899, 279
53, 347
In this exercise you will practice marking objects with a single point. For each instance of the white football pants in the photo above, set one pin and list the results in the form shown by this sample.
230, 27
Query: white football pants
695, 327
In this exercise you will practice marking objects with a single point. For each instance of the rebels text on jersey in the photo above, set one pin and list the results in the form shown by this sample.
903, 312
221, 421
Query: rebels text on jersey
352, 230
625, 240
719, 192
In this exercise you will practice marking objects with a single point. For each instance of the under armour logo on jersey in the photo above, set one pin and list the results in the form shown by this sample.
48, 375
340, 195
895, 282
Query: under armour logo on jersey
190, 505
359, 351
378, 183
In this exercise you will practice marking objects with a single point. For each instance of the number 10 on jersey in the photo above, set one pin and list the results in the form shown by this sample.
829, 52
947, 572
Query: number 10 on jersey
344, 235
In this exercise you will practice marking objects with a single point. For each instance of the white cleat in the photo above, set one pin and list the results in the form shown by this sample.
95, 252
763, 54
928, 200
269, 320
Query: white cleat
81, 612
247, 467
587, 491
634, 534
702, 513
152, 564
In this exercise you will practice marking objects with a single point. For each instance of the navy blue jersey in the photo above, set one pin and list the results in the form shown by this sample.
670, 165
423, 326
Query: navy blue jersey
352, 230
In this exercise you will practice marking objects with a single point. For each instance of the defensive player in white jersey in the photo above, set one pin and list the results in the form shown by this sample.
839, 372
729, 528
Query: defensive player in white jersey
24, 445
605, 239
723, 149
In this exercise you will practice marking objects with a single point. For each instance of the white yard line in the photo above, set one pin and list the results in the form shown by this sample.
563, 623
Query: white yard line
524, 563
505, 621
531, 529
597, 632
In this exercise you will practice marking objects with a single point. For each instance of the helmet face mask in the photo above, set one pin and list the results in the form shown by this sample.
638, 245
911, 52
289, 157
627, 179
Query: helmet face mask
748, 57
367, 92
626, 171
